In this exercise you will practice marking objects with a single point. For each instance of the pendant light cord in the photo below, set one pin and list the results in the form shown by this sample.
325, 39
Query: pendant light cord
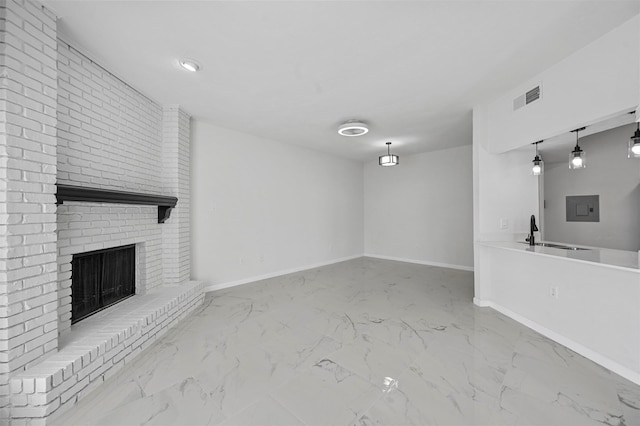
577, 137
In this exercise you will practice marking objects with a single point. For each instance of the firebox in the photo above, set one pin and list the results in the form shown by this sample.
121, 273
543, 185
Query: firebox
100, 279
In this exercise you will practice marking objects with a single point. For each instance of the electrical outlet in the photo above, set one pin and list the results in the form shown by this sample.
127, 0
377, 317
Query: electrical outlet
553, 292
504, 223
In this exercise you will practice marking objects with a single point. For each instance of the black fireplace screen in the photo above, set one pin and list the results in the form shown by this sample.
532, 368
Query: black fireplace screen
101, 278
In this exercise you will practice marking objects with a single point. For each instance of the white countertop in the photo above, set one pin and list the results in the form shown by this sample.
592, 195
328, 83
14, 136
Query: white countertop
619, 259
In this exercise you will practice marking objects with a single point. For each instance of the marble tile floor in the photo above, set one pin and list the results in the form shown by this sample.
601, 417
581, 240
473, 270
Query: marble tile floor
363, 342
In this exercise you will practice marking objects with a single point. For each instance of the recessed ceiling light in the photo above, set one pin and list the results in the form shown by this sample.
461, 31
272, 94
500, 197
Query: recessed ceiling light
353, 128
189, 65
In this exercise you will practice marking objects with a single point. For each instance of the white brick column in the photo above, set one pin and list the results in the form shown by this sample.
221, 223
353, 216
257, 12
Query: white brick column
28, 87
175, 166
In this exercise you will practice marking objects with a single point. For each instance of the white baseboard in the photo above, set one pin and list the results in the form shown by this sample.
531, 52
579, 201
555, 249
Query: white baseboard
596, 357
229, 284
421, 262
482, 303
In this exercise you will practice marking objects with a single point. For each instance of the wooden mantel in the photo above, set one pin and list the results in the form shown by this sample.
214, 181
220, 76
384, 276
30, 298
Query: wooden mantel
95, 195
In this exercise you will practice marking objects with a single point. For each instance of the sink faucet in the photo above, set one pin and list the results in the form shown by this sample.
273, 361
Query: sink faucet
532, 228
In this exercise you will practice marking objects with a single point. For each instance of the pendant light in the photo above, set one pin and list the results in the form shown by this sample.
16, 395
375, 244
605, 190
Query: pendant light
389, 159
538, 164
577, 160
634, 144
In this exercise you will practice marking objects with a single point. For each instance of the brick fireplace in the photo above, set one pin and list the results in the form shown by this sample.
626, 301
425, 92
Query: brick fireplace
67, 120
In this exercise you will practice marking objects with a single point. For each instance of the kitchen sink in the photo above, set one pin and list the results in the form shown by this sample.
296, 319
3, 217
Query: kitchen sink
559, 246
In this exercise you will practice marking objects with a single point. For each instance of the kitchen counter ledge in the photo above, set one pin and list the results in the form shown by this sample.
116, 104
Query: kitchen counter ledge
618, 259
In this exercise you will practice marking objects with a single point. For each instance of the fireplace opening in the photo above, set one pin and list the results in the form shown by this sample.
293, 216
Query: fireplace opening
100, 279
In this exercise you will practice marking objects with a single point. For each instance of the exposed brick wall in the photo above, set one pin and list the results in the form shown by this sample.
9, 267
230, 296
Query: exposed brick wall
66, 119
113, 137
28, 85
86, 227
176, 232
110, 135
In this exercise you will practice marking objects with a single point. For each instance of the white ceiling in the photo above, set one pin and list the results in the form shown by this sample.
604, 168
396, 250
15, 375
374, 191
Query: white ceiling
293, 70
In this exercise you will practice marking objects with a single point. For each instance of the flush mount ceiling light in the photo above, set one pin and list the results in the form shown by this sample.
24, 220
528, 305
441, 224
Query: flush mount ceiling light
389, 159
634, 143
577, 160
189, 65
538, 164
353, 128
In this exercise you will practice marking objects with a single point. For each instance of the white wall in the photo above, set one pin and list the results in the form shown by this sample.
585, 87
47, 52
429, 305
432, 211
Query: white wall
262, 207
609, 174
421, 210
509, 195
600, 80
595, 313
505, 192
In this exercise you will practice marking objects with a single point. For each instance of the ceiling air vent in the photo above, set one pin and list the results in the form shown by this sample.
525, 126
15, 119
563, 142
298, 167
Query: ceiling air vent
532, 95
525, 99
